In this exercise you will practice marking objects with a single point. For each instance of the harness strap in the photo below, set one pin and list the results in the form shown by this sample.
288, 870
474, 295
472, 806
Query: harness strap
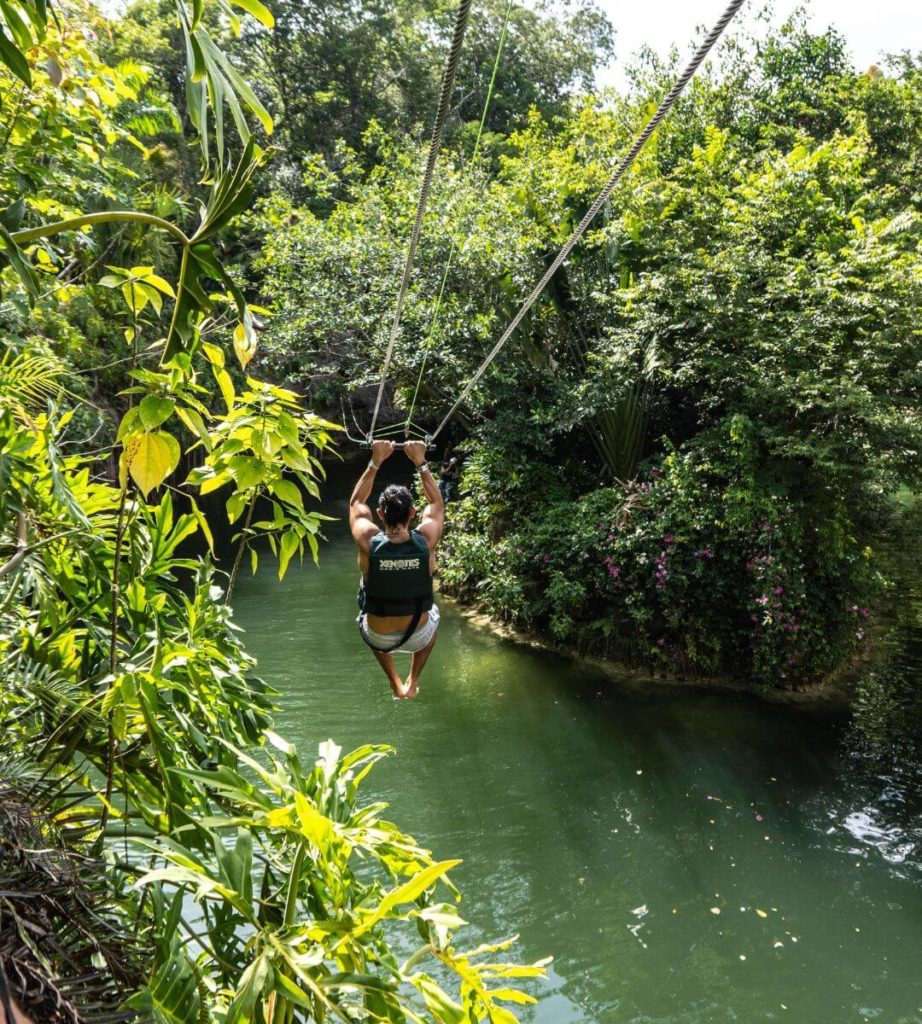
410, 630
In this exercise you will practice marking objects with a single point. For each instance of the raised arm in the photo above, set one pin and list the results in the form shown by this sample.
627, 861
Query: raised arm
361, 520
433, 519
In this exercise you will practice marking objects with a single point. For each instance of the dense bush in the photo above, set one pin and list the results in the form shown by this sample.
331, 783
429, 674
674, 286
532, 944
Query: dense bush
699, 568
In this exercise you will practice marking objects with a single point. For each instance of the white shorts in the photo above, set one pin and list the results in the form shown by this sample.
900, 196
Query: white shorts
421, 638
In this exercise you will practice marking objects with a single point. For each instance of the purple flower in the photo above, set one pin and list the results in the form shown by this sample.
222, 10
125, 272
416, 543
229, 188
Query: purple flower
864, 612
761, 600
547, 558
661, 642
779, 590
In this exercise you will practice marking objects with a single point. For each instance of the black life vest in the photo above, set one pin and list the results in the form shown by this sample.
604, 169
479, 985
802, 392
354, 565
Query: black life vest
399, 581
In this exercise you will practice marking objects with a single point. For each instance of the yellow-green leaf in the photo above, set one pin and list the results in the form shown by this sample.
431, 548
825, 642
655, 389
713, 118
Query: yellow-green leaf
226, 385
129, 450
259, 11
314, 826
160, 284
202, 524
289, 545
244, 343
157, 455
407, 892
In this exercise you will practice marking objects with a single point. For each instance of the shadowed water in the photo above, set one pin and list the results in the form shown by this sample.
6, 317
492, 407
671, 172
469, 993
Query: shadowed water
607, 827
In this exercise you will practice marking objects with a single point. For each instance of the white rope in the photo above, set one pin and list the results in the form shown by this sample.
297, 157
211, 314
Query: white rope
441, 116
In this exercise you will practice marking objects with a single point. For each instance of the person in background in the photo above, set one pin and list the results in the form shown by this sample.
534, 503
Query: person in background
397, 606
451, 470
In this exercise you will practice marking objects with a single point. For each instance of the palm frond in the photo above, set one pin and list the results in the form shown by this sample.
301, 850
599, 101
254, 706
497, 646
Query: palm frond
28, 380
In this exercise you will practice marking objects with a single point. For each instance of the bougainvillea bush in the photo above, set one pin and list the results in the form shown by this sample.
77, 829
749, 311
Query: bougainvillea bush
698, 569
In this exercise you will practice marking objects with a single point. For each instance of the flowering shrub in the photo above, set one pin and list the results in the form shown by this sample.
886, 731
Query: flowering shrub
699, 569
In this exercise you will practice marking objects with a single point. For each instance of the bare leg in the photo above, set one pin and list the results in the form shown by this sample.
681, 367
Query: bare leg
416, 668
386, 662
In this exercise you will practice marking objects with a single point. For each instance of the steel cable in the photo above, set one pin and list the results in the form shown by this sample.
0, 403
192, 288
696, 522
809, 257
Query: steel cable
441, 116
626, 161
454, 245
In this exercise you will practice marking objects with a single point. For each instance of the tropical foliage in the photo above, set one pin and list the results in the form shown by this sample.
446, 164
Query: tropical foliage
166, 855
739, 328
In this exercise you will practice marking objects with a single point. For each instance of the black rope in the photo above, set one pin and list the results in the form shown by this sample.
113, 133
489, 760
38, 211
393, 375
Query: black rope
441, 116
601, 199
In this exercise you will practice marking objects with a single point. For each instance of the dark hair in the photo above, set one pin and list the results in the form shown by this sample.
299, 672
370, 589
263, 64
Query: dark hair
395, 504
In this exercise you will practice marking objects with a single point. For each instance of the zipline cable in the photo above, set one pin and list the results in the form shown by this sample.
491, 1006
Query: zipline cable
441, 116
626, 161
454, 245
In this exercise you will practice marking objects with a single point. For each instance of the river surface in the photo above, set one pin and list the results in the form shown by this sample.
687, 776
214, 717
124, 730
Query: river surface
685, 856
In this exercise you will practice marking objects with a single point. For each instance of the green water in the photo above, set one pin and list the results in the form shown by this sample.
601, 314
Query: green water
604, 826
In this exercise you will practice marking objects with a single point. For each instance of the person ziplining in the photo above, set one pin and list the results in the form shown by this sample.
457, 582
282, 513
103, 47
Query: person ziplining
395, 508
396, 600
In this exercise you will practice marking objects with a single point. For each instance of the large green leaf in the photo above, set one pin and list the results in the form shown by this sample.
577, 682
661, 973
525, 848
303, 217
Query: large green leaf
13, 57
172, 996
155, 457
11, 255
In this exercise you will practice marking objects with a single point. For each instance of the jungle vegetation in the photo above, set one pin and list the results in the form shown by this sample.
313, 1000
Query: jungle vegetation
682, 458
685, 454
165, 855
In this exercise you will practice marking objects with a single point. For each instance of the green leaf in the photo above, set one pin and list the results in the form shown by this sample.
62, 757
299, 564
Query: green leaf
288, 428
288, 492
156, 456
129, 423
11, 253
154, 411
246, 471
172, 995
12, 216
289, 545
14, 58
17, 26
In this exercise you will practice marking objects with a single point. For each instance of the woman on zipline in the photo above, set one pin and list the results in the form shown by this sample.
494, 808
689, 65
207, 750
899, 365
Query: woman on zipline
398, 612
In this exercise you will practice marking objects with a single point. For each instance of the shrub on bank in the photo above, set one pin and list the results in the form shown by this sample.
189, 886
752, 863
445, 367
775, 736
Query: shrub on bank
703, 566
